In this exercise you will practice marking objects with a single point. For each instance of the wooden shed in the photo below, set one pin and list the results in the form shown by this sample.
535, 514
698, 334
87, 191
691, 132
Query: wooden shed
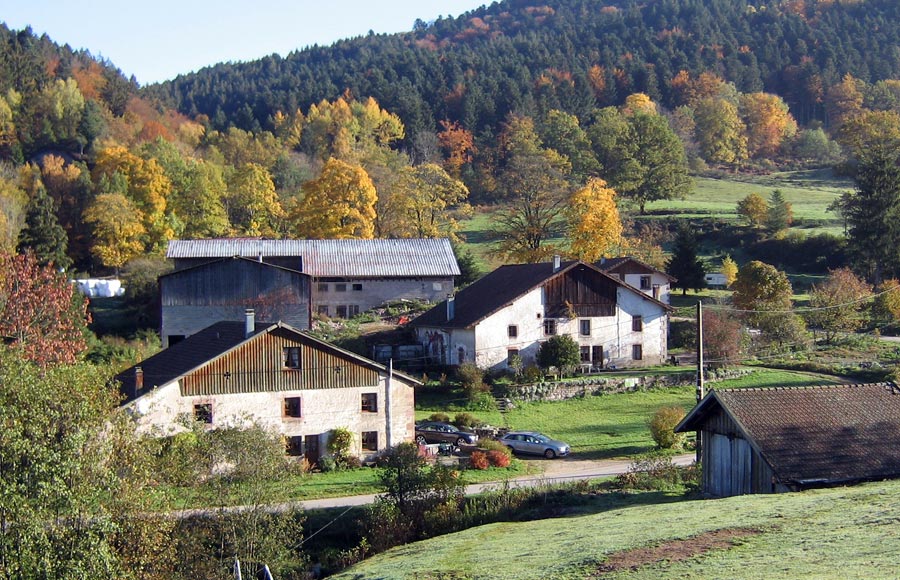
771, 440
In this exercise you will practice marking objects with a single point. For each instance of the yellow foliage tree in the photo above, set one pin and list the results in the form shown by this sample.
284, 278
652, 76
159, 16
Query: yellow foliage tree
252, 202
118, 228
639, 103
729, 270
425, 199
768, 121
595, 229
340, 203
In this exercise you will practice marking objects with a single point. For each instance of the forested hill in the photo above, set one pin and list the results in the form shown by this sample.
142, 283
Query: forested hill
530, 56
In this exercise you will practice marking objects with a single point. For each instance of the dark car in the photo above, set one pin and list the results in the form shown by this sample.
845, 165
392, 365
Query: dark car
433, 432
535, 443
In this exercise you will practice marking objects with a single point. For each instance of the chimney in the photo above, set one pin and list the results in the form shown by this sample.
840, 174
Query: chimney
602, 260
556, 262
451, 310
250, 322
138, 380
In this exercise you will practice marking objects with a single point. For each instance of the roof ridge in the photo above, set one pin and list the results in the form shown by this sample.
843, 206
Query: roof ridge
887, 384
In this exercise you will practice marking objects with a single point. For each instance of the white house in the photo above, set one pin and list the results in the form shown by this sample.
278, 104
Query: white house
516, 307
639, 275
234, 373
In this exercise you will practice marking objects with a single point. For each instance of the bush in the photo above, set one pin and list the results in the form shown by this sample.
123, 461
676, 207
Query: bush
339, 442
470, 377
662, 427
560, 351
532, 374
439, 417
498, 458
651, 472
479, 460
487, 444
466, 421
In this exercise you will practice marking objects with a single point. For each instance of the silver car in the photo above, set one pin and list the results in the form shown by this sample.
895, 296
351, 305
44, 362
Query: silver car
534, 443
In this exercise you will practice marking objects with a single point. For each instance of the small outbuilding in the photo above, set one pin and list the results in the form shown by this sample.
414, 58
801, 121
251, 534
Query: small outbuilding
772, 440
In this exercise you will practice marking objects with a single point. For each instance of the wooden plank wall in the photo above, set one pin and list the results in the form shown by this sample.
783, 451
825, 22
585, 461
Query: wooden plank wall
589, 292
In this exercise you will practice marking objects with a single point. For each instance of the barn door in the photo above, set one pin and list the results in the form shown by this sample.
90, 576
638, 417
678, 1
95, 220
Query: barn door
311, 444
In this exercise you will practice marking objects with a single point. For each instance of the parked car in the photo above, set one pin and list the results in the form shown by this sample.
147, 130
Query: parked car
433, 432
534, 443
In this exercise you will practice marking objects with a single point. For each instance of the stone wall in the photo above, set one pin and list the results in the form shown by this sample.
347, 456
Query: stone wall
604, 385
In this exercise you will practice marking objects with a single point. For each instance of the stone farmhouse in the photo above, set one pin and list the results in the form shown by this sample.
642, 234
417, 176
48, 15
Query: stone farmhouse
515, 308
772, 440
235, 373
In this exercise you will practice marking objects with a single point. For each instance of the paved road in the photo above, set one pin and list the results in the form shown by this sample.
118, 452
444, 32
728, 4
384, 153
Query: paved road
555, 471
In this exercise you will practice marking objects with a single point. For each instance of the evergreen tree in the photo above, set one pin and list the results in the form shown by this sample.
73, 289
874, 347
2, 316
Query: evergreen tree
684, 264
779, 214
42, 233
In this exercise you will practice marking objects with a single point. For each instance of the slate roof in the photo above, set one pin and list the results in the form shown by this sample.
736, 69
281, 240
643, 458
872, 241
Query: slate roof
210, 343
498, 289
322, 258
815, 435
612, 264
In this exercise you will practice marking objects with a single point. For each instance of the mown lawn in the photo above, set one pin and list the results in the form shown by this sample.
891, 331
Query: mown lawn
835, 533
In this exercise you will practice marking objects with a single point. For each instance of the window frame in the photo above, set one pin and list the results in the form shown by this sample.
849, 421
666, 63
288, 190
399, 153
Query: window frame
637, 352
293, 407
646, 282
550, 327
290, 362
511, 352
322, 287
512, 331
340, 287
369, 440
637, 323
581, 327
357, 287
203, 413
369, 402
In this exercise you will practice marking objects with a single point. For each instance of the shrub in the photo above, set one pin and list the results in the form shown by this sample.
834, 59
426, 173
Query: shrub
470, 377
662, 427
560, 351
479, 460
493, 445
339, 442
651, 472
466, 421
439, 417
498, 458
532, 374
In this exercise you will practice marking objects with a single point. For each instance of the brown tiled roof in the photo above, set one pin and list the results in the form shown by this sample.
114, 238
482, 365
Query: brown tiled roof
613, 264
815, 435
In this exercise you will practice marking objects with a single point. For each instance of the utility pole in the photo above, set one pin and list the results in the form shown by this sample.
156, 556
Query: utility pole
701, 391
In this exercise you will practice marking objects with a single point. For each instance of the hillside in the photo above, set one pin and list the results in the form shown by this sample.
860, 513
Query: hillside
530, 56
843, 532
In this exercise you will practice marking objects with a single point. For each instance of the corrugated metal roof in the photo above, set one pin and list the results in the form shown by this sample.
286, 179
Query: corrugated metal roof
361, 258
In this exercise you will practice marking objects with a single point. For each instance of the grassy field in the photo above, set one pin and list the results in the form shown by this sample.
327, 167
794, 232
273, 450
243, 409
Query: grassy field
836, 533
611, 426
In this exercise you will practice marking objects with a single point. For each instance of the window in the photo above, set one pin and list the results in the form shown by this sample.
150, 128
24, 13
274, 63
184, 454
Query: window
291, 356
340, 287
584, 327
323, 287
322, 309
549, 326
370, 402
357, 287
512, 331
585, 354
370, 440
437, 286
294, 445
203, 413
637, 353
292, 407
353, 310
510, 353
637, 323
342, 311
645, 282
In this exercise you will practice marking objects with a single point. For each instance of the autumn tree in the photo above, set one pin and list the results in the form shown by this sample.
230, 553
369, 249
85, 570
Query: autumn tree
340, 203
886, 307
763, 294
69, 186
118, 229
719, 131
685, 264
768, 121
779, 214
595, 230
252, 203
563, 133
754, 209
723, 337
535, 191
729, 270
839, 304
843, 101
426, 199
458, 145
41, 314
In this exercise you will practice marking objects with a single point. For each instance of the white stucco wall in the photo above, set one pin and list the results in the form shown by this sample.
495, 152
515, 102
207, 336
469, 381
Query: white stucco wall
157, 412
491, 343
655, 279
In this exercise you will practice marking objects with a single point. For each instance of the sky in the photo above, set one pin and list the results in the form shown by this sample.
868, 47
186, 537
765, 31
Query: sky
158, 40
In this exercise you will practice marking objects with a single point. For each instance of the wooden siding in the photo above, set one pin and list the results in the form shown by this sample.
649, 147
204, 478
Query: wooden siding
234, 282
588, 292
731, 466
257, 366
